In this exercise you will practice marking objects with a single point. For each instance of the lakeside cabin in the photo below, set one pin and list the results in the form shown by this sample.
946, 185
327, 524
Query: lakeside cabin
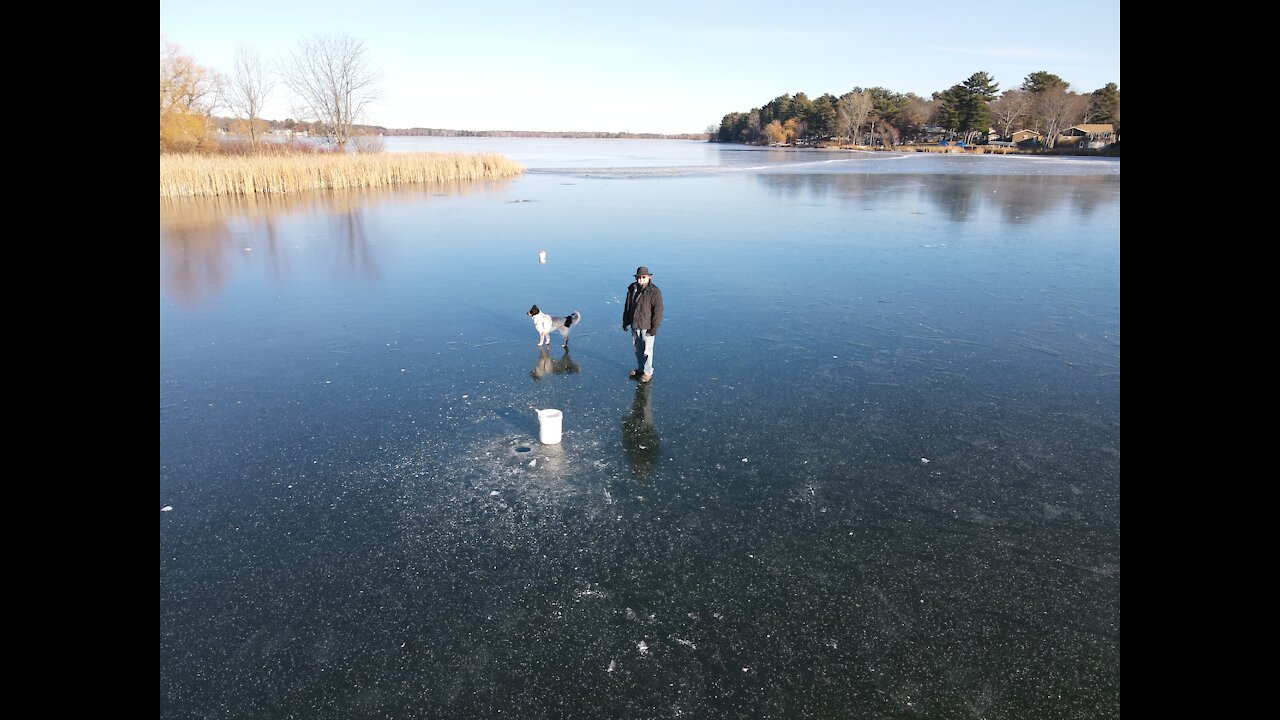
1088, 135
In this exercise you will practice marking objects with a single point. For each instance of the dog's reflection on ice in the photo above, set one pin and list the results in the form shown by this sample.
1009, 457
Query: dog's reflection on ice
546, 366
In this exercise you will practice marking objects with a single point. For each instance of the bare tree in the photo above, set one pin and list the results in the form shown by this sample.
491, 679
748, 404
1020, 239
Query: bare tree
753, 126
248, 89
1057, 109
914, 115
851, 112
333, 83
1009, 109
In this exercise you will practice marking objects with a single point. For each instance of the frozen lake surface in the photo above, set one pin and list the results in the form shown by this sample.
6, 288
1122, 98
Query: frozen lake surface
877, 473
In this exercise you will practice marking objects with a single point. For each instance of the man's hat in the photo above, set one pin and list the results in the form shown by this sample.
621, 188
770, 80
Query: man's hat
642, 271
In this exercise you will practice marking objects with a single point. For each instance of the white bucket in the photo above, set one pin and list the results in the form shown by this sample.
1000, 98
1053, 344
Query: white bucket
549, 426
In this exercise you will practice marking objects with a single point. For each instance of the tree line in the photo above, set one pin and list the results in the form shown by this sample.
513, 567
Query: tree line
330, 84
966, 111
328, 77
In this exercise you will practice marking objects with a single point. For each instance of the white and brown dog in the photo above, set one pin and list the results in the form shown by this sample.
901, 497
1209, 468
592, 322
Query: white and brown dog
545, 323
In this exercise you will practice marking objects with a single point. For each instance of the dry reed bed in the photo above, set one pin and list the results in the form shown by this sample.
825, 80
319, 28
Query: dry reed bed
190, 175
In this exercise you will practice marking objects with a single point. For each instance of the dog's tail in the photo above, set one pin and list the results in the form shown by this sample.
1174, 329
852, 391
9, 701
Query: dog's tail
573, 319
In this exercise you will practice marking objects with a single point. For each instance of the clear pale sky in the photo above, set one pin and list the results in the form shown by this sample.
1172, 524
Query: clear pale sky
660, 66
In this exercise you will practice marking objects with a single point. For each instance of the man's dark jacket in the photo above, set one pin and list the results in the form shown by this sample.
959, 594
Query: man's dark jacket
643, 308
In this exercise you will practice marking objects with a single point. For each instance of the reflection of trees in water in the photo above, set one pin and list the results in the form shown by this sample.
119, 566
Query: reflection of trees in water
847, 186
199, 235
354, 252
193, 260
1018, 198
640, 438
1090, 193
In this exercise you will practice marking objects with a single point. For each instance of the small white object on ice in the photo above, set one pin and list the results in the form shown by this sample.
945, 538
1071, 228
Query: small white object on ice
492, 493
924, 459
744, 459
643, 647
613, 665
533, 463
166, 508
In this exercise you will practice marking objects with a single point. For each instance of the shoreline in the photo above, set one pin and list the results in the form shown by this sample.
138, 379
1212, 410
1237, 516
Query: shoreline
953, 149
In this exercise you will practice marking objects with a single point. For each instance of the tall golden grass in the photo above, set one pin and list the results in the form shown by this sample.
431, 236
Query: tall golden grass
186, 175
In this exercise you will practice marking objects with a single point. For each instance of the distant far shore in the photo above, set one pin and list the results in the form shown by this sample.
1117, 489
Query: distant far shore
293, 128
439, 132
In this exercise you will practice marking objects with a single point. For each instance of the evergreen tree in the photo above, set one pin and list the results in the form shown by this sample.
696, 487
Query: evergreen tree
822, 116
1104, 105
1039, 81
966, 107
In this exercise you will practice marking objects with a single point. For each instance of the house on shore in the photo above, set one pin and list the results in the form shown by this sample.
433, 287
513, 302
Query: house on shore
1087, 136
1024, 136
